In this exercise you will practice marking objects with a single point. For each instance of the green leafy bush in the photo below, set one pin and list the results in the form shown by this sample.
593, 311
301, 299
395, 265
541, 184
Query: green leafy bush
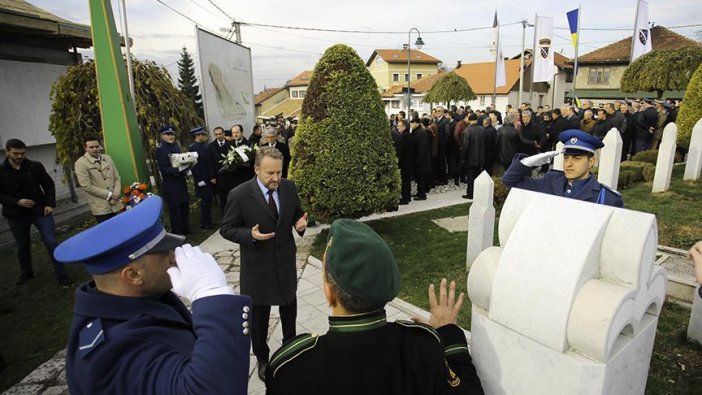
501, 190
643, 171
343, 159
691, 108
626, 178
649, 172
649, 156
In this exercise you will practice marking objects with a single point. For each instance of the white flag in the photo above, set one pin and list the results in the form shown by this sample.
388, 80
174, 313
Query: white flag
543, 51
500, 74
641, 41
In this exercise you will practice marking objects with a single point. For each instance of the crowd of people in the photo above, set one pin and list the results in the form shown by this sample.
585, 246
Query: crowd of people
460, 143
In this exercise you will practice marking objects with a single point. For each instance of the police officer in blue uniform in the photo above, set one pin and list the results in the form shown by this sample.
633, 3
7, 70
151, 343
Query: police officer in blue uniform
203, 175
175, 190
363, 353
575, 181
132, 335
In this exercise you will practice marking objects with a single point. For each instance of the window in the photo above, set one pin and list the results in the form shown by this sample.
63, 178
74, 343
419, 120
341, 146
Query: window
482, 100
294, 94
395, 77
395, 104
302, 94
419, 76
406, 77
569, 76
598, 76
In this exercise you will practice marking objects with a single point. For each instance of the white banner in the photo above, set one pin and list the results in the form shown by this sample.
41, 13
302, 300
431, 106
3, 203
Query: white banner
543, 51
641, 41
226, 80
500, 74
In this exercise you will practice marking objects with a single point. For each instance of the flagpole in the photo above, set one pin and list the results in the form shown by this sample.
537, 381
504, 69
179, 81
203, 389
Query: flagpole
633, 36
497, 54
533, 58
521, 63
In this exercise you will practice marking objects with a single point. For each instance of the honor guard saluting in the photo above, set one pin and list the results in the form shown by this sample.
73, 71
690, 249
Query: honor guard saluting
175, 190
204, 176
132, 335
363, 353
575, 181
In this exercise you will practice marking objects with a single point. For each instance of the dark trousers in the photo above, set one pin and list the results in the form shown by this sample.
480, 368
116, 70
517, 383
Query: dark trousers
222, 196
179, 214
104, 217
626, 146
205, 194
406, 186
422, 180
20, 228
259, 327
454, 162
472, 172
440, 165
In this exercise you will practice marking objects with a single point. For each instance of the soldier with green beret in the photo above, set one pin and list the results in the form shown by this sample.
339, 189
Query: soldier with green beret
363, 353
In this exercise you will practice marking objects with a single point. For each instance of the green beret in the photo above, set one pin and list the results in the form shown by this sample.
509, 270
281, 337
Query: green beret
361, 263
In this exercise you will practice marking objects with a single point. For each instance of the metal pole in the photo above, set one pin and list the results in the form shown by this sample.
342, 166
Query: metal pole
521, 64
237, 29
533, 60
577, 44
130, 73
409, 56
497, 55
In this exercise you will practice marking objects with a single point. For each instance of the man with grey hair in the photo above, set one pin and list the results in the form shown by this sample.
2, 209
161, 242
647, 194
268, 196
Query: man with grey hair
270, 138
260, 215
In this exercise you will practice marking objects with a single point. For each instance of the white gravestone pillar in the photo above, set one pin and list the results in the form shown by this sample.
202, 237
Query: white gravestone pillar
568, 309
693, 168
666, 156
610, 159
558, 159
481, 218
694, 328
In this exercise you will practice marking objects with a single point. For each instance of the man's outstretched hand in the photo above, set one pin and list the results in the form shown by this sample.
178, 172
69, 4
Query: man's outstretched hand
301, 223
445, 310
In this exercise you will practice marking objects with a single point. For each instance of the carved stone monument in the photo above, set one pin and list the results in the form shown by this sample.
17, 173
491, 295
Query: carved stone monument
610, 158
693, 167
666, 156
567, 309
481, 218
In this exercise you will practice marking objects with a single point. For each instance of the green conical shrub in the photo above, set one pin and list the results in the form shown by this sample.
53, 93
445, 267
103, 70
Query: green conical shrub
343, 159
691, 109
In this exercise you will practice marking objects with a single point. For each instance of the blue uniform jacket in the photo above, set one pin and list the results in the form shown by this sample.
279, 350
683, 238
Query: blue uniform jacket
175, 190
555, 183
203, 170
123, 345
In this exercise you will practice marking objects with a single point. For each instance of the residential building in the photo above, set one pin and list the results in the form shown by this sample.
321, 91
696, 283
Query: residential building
389, 67
287, 100
600, 71
268, 98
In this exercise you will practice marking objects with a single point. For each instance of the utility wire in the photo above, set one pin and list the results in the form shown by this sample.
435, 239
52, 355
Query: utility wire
208, 10
221, 10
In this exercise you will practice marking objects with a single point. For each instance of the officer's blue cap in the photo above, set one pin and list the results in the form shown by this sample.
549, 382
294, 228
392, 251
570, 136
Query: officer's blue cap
198, 130
121, 239
167, 129
577, 140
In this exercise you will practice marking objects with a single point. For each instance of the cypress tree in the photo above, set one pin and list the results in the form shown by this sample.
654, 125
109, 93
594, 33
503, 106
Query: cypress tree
187, 82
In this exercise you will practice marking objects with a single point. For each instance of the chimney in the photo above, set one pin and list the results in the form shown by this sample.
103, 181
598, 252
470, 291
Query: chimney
404, 47
458, 64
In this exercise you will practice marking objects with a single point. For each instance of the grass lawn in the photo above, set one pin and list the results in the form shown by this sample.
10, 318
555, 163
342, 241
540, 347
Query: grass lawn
426, 253
35, 317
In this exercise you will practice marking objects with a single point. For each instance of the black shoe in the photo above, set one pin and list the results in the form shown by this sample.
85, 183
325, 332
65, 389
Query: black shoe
403, 202
207, 226
467, 197
23, 278
64, 281
420, 198
262, 367
456, 182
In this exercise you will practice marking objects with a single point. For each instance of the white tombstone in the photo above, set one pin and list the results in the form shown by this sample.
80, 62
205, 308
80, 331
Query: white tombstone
693, 168
481, 218
558, 159
568, 309
666, 156
694, 328
610, 158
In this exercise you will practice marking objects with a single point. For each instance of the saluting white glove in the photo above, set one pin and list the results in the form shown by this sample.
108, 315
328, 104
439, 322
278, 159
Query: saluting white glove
201, 184
539, 159
197, 275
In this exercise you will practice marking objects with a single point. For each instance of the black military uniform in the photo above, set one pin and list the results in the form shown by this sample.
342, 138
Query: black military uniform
363, 353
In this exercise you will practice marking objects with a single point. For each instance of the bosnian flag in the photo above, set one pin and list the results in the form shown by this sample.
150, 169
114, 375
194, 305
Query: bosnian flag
641, 42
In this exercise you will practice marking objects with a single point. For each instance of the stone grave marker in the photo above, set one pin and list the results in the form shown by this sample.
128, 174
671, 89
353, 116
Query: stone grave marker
481, 218
666, 156
693, 167
610, 159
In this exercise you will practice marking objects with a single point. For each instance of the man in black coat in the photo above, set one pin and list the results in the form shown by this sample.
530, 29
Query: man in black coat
475, 145
406, 160
175, 190
646, 119
558, 125
532, 131
270, 138
28, 196
444, 137
217, 148
453, 150
509, 141
241, 174
422, 157
203, 176
260, 216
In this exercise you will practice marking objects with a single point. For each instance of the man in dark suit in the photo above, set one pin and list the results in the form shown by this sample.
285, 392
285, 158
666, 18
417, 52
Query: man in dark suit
175, 189
259, 216
270, 138
217, 148
203, 176
475, 145
241, 174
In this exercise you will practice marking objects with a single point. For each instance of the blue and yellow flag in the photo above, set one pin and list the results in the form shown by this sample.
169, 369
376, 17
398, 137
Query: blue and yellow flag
573, 24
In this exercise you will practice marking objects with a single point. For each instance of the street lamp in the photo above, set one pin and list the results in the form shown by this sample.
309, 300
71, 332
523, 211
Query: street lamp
418, 44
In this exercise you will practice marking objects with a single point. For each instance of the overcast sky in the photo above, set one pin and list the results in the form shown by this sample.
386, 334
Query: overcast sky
279, 54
